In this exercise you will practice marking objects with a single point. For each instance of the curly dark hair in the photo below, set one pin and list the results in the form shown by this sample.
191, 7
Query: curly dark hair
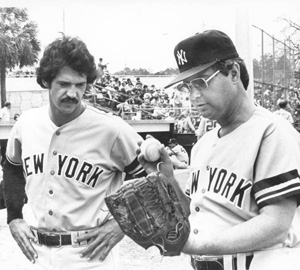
226, 65
66, 51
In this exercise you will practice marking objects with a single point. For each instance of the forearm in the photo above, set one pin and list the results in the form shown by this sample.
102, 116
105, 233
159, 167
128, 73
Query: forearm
267, 229
13, 190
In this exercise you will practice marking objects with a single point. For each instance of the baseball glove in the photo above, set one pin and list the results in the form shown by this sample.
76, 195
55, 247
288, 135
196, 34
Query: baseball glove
149, 212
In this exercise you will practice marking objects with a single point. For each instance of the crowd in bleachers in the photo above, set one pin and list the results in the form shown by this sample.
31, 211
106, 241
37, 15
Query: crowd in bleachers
132, 100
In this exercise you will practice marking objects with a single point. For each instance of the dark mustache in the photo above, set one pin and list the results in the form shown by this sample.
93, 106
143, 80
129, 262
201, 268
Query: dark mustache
70, 100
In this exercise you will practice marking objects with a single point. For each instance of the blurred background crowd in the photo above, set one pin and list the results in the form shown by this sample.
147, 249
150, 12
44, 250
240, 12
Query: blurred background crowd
131, 99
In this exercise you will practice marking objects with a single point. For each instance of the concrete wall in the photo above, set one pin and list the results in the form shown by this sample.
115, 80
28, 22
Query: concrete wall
24, 100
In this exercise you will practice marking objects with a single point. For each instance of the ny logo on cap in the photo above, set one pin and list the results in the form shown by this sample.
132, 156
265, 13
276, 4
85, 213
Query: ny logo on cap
181, 57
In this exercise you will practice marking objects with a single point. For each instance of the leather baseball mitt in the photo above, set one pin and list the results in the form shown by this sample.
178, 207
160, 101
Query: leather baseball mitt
149, 211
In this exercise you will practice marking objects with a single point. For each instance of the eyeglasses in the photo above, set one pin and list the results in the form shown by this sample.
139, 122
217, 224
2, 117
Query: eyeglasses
198, 83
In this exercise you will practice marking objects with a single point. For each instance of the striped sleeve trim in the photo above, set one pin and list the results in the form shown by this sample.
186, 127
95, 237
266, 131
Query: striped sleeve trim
132, 166
13, 163
274, 189
135, 169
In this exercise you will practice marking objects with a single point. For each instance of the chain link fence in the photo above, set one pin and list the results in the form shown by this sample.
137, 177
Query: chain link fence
276, 71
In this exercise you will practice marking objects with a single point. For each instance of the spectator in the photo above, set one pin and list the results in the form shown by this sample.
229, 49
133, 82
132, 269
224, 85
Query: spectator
282, 104
159, 112
179, 124
139, 86
129, 82
145, 89
106, 96
188, 126
177, 101
138, 81
5, 112
4, 117
125, 110
126, 86
205, 126
146, 107
178, 155
116, 82
135, 99
152, 88
170, 115
122, 96
101, 71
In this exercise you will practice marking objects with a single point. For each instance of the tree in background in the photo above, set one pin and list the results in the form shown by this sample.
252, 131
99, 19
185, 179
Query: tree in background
292, 34
142, 71
18, 43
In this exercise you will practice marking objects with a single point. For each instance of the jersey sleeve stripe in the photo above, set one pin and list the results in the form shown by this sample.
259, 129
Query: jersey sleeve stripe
276, 180
276, 188
140, 172
272, 200
282, 192
134, 170
132, 166
13, 163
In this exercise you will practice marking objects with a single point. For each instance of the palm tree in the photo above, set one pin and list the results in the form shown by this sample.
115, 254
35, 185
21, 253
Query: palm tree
18, 43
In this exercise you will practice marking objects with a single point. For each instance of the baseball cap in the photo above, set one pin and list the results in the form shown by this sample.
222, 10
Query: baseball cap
201, 51
172, 140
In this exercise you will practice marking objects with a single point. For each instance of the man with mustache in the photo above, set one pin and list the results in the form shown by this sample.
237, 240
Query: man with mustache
72, 156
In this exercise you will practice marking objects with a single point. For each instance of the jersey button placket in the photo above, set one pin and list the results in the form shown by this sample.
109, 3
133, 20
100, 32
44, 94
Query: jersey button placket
52, 173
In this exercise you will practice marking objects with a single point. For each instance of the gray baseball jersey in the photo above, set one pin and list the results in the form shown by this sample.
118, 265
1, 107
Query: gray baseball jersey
70, 169
232, 177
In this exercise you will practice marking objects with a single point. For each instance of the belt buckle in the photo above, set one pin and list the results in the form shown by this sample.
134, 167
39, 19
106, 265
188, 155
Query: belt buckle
59, 239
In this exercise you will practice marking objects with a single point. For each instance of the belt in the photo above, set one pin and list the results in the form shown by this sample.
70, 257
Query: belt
216, 263
57, 239
53, 239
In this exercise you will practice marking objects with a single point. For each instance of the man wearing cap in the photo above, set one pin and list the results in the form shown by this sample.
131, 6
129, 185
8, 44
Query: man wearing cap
243, 192
178, 155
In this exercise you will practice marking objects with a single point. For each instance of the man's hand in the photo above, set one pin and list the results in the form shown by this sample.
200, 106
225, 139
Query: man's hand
164, 164
23, 236
101, 240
